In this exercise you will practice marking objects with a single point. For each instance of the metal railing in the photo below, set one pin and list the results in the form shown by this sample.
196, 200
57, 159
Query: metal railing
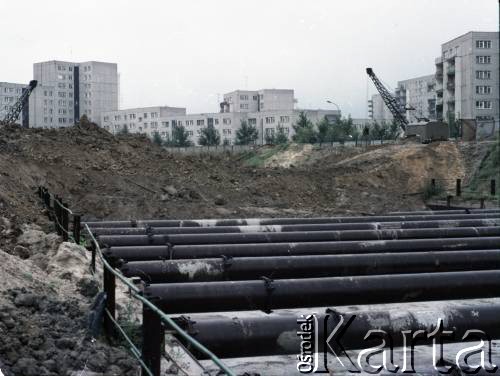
155, 316
60, 213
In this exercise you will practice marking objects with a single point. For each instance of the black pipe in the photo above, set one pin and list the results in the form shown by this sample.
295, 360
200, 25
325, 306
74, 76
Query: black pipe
277, 334
142, 253
441, 212
284, 221
293, 228
267, 295
299, 236
243, 268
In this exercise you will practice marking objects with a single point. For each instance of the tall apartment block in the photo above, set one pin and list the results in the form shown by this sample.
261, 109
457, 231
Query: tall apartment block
418, 97
66, 91
9, 94
377, 110
468, 79
267, 110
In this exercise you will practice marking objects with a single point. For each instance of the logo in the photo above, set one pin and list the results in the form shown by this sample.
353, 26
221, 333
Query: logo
330, 337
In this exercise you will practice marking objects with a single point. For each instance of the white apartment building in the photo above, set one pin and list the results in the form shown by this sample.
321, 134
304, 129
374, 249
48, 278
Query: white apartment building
468, 79
9, 94
66, 91
240, 105
377, 110
418, 97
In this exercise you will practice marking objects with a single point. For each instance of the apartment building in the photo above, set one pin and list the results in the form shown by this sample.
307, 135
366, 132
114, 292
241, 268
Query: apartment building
66, 91
9, 94
377, 110
467, 78
418, 97
267, 110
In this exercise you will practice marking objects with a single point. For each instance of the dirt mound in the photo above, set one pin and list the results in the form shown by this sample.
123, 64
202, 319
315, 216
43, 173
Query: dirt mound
108, 177
45, 295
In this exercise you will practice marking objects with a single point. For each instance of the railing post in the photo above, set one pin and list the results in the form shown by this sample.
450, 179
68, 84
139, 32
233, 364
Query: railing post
76, 228
92, 262
481, 201
448, 201
493, 187
153, 335
57, 213
65, 221
109, 289
459, 188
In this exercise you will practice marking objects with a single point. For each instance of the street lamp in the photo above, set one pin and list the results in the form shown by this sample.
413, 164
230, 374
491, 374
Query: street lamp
336, 105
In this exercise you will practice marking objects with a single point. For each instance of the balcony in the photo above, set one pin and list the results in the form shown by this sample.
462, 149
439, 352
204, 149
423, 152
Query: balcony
450, 86
439, 76
439, 102
450, 71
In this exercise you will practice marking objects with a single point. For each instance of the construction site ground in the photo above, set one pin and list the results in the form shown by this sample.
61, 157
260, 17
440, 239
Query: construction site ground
46, 287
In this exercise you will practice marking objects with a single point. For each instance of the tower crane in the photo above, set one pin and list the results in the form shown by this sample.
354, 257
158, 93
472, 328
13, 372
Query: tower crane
13, 114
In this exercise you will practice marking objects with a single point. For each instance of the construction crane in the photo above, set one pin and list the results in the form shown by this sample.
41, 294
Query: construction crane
389, 100
13, 114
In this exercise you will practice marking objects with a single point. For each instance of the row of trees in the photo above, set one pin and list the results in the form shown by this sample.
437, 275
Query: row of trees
341, 130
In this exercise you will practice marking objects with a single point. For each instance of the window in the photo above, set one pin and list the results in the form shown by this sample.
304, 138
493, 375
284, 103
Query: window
179, 123
252, 121
483, 59
145, 115
106, 118
118, 117
165, 124
190, 133
190, 122
216, 121
483, 75
284, 119
132, 116
483, 89
270, 120
154, 115
483, 105
262, 105
255, 97
226, 121
61, 94
244, 97
244, 106
269, 131
227, 131
485, 44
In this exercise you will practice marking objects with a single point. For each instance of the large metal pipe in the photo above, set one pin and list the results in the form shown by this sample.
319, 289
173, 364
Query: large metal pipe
299, 236
292, 228
284, 221
142, 253
267, 295
440, 212
247, 268
277, 334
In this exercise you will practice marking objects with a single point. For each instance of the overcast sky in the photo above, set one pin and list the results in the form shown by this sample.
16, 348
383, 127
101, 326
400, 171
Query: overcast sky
186, 53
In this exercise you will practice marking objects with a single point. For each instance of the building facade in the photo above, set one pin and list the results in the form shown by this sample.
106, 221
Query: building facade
377, 110
9, 95
66, 91
418, 97
467, 78
267, 110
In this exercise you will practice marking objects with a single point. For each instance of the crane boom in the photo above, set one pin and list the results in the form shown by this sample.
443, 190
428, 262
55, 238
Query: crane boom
389, 100
13, 114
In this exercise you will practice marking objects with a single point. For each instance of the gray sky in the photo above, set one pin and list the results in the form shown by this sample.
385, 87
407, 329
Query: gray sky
183, 53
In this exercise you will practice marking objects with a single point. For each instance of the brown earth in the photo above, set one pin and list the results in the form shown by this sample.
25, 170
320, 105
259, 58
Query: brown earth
102, 176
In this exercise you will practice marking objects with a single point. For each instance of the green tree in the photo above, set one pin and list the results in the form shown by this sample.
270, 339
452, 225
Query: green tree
157, 139
325, 130
304, 130
281, 137
246, 134
179, 138
394, 130
209, 136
